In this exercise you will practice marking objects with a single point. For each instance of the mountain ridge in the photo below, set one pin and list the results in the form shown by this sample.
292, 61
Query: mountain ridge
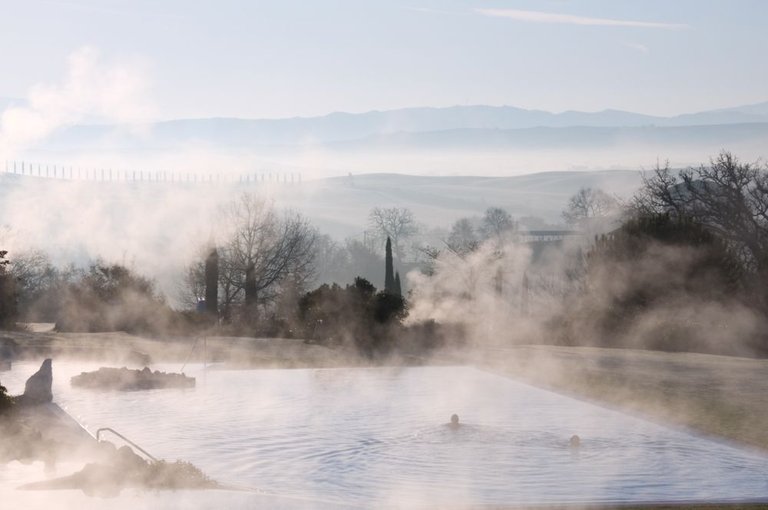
342, 127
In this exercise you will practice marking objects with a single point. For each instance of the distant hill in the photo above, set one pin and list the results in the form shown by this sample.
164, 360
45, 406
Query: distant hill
354, 126
751, 113
574, 137
340, 204
459, 140
753, 109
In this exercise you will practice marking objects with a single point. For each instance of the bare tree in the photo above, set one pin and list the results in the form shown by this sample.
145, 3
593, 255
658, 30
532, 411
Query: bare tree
36, 280
463, 238
263, 248
32, 269
729, 197
588, 204
397, 223
497, 224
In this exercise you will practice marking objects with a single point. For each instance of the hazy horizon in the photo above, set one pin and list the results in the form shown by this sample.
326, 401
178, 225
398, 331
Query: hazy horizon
334, 82
8, 102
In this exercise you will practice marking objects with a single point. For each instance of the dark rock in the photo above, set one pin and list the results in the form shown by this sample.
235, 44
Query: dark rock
37, 390
124, 379
121, 469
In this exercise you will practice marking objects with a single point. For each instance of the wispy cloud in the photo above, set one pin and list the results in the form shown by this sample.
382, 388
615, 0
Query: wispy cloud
569, 19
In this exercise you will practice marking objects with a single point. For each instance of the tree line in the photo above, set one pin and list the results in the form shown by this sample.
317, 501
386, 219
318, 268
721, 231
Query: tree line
681, 265
686, 267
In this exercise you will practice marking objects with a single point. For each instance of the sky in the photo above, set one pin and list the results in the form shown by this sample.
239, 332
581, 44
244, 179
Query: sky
283, 58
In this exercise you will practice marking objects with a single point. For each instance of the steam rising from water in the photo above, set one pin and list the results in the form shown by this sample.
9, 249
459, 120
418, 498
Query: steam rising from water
156, 230
92, 90
369, 437
482, 290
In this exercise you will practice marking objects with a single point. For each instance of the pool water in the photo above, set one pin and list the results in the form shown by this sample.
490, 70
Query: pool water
378, 437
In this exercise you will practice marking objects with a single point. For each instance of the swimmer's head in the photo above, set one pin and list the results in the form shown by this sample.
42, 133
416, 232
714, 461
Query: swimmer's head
454, 419
575, 441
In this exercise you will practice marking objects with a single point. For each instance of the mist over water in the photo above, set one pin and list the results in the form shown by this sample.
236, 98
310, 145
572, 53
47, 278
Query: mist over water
378, 437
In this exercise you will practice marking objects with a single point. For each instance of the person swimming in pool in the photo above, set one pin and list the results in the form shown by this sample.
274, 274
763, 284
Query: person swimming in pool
454, 424
575, 441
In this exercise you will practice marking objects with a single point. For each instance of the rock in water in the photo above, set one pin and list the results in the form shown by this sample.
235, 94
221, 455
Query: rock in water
123, 379
38, 387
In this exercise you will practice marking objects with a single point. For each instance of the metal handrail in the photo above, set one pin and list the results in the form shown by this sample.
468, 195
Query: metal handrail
118, 434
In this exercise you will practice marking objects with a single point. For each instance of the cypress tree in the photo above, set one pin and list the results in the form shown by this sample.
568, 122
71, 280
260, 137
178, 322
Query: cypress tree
398, 289
389, 274
212, 282
251, 292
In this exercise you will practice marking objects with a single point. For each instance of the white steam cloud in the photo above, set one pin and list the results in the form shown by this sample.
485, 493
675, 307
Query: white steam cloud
93, 89
482, 291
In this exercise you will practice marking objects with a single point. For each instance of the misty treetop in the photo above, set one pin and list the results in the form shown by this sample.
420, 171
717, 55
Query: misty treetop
497, 224
356, 315
468, 235
396, 224
589, 205
259, 251
686, 269
99, 297
464, 237
727, 196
